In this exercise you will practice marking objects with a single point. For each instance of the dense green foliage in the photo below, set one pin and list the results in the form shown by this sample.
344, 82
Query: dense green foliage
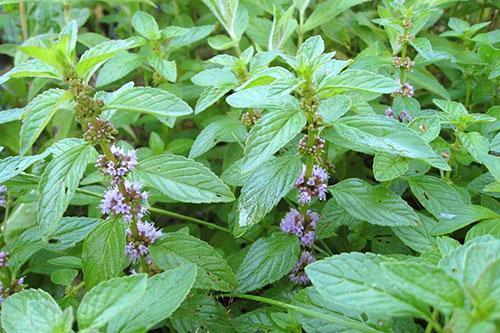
249, 166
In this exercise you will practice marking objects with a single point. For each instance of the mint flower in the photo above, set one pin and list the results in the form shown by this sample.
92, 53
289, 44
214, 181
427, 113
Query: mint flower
130, 204
3, 198
298, 275
123, 164
406, 90
147, 234
314, 186
301, 226
4, 257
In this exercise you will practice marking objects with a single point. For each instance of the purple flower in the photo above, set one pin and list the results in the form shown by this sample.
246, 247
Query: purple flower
301, 226
4, 257
389, 112
3, 199
129, 204
405, 116
406, 90
298, 275
314, 186
137, 246
118, 168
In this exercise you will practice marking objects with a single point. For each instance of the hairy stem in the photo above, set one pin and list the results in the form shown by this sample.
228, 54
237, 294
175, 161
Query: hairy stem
24, 21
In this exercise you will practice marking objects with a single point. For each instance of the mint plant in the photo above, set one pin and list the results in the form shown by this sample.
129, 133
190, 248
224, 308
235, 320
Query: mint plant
249, 166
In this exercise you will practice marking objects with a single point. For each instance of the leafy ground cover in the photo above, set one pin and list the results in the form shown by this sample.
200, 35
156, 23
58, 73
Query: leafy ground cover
249, 166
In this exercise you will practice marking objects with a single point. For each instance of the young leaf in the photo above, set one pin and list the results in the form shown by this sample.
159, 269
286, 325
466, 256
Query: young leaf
164, 294
146, 25
108, 299
267, 260
374, 204
270, 134
225, 12
58, 185
182, 179
110, 260
118, 67
213, 271
37, 115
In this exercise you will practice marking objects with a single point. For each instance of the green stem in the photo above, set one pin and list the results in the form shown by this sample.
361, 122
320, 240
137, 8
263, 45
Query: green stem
467, 93
334, 318
189, 219
480, 17
300, 29
67, 11
433, 323
24, 21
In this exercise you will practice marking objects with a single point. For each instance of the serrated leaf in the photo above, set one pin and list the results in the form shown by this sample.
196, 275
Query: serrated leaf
14, 165
388, 167
176, 249
362, 81
327, 10
58, 184
108, 299
265, 187
427, 283
154, 101
210, 95
37, 115
31, 68
269, 135
109, 261
118, 67
164, 294
7, 116
267, 260
374, 204
34, 310
182, 179
357, 281
145, 24
374, 133
96, 56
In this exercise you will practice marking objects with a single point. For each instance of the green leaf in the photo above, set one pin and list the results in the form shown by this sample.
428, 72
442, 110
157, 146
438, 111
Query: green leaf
476, 144
164, 294
225, 11
334, 107
388, 167
108, 299
58, 184
214, 77
200, 312
118, 67
357, 281
226, 129
467, 262
422, 78
427, 126
487, 288
260, 97
164, 67
265, 187
182, 179
267, 260
15, 165
96, 56
418, 237
374, 133
283, 27
374, 204
34, 310
110, 260
210, 95
176, 249
31, 68
153, 101
270, 134
191, 36
427, 283
362, 81
145, 25
64, 276
327, 10
37, 115
462, 216
7, 116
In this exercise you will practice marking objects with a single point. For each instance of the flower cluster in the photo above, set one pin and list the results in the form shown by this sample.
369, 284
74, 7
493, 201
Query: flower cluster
127, 200
3, 199
137, 247
99, 131
298, 275
4, 257
119, 166
404, 116
316, 149
16, 286
405, 63
311, 187
250, 117
406, 90
304, 227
